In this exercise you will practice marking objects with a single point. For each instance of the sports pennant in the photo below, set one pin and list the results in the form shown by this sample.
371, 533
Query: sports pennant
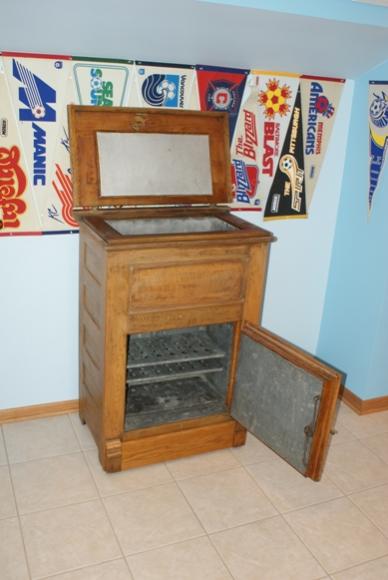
221, 89
378, 134
261, 128
18, 210
165, 85
287, 196
37, 87
101, 82
320, 99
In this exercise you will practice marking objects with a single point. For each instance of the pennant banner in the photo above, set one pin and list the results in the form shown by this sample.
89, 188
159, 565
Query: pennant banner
165, 85
320, 99
37, 90
287, 196
101, 82
261, 128
378, 133
18, 210
221, 89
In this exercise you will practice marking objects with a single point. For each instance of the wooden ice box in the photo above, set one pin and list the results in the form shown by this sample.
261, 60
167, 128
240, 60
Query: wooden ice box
173, 361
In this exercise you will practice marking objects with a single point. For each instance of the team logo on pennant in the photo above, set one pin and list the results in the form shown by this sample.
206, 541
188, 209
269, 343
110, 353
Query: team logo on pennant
274, 99
35, 94
319, 104
245, 180
164, 90
222, 95
99, 84
378, 110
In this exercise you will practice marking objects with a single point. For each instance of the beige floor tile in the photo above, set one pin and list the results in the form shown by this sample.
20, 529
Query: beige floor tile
374, 504
52, 482
342, 434
353, 467
226, 499
254, 451
39, 438
83, 433
379, 445
192, 560
151, 518
338, 534
67, 538
266, 550
12, 560
129, 480
117, 570
344, 409
375, 570
202, 464
287, 489
365, 425
3, 456
7, 502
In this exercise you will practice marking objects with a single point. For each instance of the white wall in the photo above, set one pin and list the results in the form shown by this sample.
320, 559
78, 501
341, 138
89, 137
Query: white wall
39, 320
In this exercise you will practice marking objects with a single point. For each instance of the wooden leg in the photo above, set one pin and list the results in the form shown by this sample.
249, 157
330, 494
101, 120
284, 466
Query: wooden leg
112, 455
240, 435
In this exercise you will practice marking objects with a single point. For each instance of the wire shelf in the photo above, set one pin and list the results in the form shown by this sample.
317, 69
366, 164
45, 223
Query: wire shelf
166, 348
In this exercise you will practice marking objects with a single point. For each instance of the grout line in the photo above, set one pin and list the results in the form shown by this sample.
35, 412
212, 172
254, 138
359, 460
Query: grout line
71, 570
204, 473
305, 545
357, 565
384, 533
77, 435
18, 514
107, 514
287, 523
2, 442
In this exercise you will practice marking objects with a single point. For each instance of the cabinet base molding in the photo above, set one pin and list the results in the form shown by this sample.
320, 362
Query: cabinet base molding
363, 406
38, 411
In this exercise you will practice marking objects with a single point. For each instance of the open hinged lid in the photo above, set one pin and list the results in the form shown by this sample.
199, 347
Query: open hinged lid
127, 156
286, 398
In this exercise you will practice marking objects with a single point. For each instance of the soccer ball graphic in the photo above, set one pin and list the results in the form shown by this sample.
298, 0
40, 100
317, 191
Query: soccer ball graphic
168, 89
39, 111
286, 164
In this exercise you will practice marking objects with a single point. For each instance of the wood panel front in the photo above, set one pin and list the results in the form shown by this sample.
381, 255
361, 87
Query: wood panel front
182, 284
183, 443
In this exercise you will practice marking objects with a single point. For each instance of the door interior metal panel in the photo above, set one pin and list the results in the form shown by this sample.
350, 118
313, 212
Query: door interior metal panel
279, 400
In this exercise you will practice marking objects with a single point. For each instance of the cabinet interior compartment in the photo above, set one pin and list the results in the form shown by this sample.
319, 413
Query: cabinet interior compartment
177, 225
174, 375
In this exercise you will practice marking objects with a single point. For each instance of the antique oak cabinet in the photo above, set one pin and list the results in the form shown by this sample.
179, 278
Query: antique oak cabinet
173, 361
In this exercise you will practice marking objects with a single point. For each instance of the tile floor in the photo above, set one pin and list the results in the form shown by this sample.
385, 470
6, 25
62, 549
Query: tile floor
238, 514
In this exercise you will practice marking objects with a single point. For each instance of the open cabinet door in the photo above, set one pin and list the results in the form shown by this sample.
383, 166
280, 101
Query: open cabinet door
286, 398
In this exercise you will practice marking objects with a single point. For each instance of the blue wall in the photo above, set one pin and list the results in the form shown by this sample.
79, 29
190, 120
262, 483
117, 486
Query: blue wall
354, 329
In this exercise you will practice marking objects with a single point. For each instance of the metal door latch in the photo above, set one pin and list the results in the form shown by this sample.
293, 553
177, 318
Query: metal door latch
309, 430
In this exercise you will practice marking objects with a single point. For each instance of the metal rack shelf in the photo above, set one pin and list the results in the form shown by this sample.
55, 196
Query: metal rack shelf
167, 348
167, 371
180, 399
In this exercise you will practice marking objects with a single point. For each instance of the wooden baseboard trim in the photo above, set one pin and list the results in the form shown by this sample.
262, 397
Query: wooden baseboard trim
363, 406
38, 411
